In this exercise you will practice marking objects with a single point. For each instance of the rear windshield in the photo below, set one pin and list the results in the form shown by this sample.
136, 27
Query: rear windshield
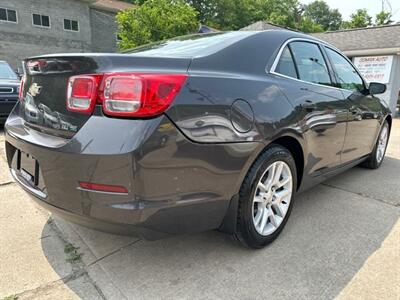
6, 72
191, 46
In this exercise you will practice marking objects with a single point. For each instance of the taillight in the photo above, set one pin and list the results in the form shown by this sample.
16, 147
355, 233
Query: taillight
82, 93
139, 95
124, 94
21, 88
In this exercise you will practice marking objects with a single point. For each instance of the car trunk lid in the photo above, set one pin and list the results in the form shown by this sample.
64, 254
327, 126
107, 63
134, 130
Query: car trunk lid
43, 105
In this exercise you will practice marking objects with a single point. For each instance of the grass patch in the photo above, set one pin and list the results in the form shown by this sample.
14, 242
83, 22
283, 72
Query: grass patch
72, 253
12, 297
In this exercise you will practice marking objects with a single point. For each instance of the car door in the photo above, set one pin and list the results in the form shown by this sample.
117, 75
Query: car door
321, 113
364, 109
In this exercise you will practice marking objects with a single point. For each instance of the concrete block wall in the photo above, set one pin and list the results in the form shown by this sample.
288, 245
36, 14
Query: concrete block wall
104, 29
20, 40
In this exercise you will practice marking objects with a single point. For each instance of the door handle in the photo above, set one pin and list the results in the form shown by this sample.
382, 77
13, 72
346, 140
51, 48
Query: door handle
309, 106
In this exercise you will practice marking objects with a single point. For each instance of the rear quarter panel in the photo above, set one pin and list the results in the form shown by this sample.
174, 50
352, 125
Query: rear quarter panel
203, 110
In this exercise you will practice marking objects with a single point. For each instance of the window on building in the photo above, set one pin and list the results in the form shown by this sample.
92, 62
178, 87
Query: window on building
346, 74
8, 15
41, 20
286, 64
71, 25
310, 63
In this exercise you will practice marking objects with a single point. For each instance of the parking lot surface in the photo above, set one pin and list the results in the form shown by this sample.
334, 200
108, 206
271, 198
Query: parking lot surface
342, 240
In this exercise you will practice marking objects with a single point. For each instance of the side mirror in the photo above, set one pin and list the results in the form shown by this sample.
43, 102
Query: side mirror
376, 88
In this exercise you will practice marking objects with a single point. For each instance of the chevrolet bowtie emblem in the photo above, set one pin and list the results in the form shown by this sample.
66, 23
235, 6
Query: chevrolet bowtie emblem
34, 89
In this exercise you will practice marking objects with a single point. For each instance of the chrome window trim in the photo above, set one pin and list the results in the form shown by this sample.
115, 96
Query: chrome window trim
278, 57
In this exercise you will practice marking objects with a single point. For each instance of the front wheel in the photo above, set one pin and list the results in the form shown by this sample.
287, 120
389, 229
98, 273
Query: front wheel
375, 159
266, 197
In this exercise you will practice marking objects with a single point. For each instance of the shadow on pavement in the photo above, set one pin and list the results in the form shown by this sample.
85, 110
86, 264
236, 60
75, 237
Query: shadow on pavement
333, 229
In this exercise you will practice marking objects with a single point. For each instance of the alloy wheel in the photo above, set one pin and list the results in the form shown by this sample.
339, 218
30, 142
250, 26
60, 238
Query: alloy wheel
272, 198
382, 144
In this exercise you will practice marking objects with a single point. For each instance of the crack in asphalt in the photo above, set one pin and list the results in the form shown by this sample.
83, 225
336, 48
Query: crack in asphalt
362, 195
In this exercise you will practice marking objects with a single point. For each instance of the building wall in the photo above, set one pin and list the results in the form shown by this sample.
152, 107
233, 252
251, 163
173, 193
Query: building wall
104, 28
20, 40
392, 94
393, 86
23, 39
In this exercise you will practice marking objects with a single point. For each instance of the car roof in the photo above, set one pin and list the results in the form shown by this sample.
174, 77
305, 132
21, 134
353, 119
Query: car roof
252, 54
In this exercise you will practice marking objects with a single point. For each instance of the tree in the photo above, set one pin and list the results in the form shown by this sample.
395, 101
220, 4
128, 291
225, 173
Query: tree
226, 14
320, 13
155, 20
281, 12
383, 18
206, 9
309, 26
288, 13
359, 19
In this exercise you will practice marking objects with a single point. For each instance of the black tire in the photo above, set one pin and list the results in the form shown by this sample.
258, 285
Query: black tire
372, 161
246, 231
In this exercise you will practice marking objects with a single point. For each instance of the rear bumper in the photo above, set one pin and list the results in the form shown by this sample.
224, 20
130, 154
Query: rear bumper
175, 186
97, 224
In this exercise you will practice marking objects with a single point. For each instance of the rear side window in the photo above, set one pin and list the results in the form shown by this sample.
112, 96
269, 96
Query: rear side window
195, 45
286, 64
346, 74
310, 63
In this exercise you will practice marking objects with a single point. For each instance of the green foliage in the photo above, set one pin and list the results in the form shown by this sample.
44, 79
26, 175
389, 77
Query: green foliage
359, 19
12, 297
383, 18
281, 12
309, 26
236, 14
72, 253
320, 13
155, 20
226, 14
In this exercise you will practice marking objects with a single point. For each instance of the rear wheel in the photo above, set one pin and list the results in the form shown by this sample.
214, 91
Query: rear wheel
266, 197
375, 159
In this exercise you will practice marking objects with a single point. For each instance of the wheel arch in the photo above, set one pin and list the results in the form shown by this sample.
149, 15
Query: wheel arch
296, 149
295, 146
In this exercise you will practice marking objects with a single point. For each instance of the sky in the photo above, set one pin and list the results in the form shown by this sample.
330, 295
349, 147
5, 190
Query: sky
347, 7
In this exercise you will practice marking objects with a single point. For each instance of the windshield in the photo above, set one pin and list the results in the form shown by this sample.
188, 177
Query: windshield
6, 72
191, 45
